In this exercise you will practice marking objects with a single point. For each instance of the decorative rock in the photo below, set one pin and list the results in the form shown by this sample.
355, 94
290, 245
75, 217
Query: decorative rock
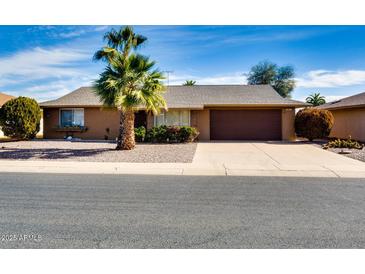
345, 151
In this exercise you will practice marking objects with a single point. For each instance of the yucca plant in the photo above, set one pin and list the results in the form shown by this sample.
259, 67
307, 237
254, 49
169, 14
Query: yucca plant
342, 143
128, 82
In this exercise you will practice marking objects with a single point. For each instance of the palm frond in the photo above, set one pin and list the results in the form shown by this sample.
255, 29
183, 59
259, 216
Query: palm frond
113, 38
138, 40
106, 54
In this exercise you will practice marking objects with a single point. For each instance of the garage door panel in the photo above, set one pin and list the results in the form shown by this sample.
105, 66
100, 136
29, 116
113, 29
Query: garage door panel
245, 124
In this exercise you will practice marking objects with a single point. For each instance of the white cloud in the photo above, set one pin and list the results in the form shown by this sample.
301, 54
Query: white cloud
226, 79
71, 34
329, 98
40, 63
328, 79
78, 32
54, 89
270, 36
101, 28
43, 73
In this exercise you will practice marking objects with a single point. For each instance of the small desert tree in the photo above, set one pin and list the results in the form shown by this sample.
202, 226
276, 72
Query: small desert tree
267, 73
20, 118
313, 123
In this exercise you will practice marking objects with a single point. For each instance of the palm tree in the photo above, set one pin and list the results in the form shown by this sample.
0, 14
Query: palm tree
315, 99
189, 83
128, 82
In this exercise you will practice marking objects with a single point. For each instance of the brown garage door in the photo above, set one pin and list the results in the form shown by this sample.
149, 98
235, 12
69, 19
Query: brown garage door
247, 124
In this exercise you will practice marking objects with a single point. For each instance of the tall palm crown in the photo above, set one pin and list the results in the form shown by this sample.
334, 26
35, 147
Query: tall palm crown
122, 41
315, 99
129, 81
189, 83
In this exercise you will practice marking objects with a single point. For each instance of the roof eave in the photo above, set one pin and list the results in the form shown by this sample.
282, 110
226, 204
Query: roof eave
343, 107
189, 107
258, 105
69, 106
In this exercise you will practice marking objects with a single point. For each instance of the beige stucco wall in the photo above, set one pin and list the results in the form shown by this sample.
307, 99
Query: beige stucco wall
287, 124
96, 120
200, 119
349, 122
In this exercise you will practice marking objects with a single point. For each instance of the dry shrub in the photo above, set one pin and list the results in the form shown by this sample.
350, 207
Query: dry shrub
313, 123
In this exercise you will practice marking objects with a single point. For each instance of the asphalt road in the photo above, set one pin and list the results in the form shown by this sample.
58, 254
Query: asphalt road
118, 211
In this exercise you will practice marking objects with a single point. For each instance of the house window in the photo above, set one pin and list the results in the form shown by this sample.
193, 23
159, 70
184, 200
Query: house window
71, 117
173, 118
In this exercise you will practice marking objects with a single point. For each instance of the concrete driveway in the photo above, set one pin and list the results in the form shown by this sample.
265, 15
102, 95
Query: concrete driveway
248, 158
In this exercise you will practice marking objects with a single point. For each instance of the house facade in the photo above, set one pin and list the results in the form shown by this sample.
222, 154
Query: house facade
219, 112
349, 115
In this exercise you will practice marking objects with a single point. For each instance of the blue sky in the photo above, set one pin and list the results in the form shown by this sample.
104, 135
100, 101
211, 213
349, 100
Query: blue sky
45, 62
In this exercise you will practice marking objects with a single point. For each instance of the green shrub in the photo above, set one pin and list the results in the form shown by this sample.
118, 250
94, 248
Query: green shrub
171, 134
20, 118
140, 133
312, 123
157, 134
188, 134
341, 143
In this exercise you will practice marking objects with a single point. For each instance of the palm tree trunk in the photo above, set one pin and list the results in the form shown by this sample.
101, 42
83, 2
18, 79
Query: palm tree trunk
126, 131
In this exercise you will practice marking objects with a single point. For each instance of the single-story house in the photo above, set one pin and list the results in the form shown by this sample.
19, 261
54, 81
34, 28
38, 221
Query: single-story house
219, 112
3, 99
349, 114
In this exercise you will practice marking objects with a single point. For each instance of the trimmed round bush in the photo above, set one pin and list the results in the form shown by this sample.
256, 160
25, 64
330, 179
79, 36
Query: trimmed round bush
20, 118
313, 123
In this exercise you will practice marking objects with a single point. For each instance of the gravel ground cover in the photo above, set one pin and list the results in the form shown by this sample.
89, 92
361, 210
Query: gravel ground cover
96, 151
358, 154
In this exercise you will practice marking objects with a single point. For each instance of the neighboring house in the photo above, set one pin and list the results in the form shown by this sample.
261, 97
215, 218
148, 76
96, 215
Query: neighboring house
349, 114
3, 99
219, 112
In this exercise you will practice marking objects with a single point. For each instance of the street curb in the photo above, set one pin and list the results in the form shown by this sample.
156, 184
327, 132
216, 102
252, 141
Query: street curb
175, 169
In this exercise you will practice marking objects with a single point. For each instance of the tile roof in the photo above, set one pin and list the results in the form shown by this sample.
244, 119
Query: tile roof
4, 98
196, 96
357, 100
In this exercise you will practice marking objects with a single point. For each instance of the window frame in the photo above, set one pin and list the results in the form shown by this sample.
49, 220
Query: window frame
180, 117
72, 109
